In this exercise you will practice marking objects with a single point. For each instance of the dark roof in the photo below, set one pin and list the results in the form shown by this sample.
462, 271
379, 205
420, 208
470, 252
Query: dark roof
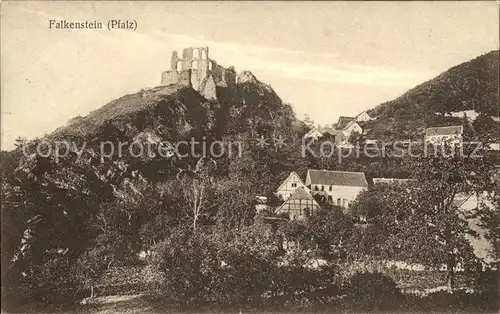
327, 177
300, 199
390, 180
300, 194
343, 122
328, 130
444, 130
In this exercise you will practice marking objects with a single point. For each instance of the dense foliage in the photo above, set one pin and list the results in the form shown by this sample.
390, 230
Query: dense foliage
472, 85
191, 222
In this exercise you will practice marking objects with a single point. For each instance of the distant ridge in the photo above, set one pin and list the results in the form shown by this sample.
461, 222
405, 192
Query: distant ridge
441, 101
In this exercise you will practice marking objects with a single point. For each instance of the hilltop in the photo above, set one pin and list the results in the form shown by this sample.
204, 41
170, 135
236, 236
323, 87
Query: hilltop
470, 87
169, 113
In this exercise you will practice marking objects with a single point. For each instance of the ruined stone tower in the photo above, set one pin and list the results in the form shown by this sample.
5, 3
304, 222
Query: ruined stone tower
197, 70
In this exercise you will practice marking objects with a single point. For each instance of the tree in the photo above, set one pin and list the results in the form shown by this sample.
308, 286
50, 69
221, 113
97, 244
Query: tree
490, 220
89, 267
381, 206
357, 138
422, 221
235, 203
329, 231
308, 121
434, 229
194, 197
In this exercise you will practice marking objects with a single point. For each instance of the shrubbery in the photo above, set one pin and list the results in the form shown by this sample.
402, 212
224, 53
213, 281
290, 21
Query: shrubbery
372, 291
205, 271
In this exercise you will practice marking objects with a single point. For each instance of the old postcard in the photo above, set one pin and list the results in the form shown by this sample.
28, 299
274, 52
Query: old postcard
237, 157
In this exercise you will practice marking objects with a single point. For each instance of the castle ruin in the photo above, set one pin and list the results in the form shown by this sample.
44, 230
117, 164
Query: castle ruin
197, 70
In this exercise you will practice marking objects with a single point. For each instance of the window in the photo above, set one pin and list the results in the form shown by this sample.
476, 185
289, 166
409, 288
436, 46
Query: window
194, 64
338, 201
294, 185
316, 188
210, 65
204, 56
322, 188
196, 53
331, 187
330, 198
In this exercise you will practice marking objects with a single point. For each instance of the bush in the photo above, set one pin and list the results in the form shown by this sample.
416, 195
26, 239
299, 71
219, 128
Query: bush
189, 264
212, 272
50, 282
461, 300
372, 291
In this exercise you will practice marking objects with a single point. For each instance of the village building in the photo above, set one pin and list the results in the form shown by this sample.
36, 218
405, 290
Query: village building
449, 134
299, 205
351, 127
390, 181
343, 121
340, 133
326, 132
363, 117
344, 127
338, 187
261, 204
313, 134
289, 185
468, 204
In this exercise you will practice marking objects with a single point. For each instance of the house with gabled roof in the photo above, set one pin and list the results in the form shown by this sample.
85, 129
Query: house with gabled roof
343, 121
289, 185
299, 205
350, 128
323, 132
451, 134
345, 127
337, 187
364, 116
313, 133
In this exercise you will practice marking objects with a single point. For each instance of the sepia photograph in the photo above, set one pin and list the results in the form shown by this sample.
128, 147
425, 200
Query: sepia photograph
250, 156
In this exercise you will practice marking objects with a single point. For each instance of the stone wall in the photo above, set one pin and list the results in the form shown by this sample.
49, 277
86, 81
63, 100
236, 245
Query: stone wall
195, 68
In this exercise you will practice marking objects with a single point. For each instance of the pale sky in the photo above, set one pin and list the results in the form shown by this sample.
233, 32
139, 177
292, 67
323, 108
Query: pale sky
325, 58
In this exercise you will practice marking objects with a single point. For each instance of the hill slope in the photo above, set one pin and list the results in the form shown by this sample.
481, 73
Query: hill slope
170, 114
173, 107
472, 85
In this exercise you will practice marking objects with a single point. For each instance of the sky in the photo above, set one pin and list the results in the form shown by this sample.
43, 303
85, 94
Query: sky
326, 59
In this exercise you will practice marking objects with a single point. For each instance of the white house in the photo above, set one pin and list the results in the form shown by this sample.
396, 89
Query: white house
468, 205
338, 187
350, 128
344, 127
298, 205
450, 134
289, 185
313, 134
364, 116
326, 132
